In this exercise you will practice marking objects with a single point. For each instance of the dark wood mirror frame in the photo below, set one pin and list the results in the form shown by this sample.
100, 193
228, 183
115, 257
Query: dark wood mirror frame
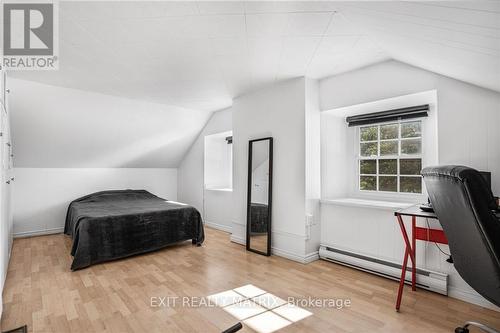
269, 200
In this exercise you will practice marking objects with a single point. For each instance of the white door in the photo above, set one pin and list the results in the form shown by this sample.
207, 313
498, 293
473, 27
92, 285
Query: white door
4, 239
5, 184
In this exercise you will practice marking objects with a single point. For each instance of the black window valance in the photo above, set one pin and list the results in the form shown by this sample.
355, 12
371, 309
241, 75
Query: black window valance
389, 115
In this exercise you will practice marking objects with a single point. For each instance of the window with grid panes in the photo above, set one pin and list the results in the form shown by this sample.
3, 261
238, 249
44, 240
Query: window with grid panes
390, 157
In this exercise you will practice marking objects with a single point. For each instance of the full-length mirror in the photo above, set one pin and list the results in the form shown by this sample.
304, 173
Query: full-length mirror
260, 171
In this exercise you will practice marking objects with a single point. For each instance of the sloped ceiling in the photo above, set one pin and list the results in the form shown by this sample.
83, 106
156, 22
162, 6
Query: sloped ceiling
459, 39
191, 56
55, 127
203, 54
200, 55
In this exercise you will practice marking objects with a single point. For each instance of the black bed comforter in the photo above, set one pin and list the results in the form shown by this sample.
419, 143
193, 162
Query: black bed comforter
115, 224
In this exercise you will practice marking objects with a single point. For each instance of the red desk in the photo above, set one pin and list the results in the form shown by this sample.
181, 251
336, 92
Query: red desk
417, 233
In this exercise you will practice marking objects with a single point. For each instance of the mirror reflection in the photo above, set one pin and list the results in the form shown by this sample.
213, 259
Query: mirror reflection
259, 211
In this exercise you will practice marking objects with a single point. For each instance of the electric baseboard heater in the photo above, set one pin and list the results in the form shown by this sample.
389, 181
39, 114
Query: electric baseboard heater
426, 279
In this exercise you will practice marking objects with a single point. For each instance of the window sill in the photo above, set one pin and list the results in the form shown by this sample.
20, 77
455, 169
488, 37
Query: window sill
220, 189
376, 204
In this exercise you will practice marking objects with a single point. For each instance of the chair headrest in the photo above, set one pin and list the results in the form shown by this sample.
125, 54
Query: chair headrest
467, 176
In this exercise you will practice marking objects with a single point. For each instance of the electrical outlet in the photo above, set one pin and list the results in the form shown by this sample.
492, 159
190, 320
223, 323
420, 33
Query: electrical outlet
309, 219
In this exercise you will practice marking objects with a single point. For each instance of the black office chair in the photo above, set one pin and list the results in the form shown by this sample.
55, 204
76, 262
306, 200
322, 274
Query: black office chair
467, 211
234, 328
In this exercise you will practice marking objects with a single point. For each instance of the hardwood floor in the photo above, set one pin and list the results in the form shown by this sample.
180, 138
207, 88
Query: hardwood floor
42, 292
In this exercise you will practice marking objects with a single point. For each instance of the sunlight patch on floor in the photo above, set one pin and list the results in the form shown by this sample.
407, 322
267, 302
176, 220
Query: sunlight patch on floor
258, 309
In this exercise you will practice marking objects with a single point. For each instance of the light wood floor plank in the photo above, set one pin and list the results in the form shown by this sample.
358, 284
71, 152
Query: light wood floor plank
43, 293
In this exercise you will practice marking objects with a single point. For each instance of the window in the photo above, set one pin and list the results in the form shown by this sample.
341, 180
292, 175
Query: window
218, 161
390, 157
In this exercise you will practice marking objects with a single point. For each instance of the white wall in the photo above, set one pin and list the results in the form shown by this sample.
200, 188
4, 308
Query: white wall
69, 128
468, 118
217, 209
313, 167
215, 206
468, 115
218, 161
41, 195
69, 143
278, 111
340, 147
5, 185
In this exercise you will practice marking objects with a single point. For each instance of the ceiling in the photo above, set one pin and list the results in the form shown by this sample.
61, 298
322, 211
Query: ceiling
459, 39
190, 58
202, 54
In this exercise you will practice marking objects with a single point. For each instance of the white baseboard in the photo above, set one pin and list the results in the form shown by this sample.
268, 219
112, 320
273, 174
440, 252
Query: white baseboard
303, 259
238, 240
469, 297
313, 256
221, 227
38, 232
239, 223
289, 255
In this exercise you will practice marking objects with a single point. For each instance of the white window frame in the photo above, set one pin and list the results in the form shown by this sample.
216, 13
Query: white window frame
420, 156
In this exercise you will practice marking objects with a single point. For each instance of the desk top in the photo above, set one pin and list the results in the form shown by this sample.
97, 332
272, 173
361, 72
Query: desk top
415, 211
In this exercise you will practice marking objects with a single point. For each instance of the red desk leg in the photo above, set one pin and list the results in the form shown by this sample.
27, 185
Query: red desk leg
408, 252
405, 237
402, 281
413, 250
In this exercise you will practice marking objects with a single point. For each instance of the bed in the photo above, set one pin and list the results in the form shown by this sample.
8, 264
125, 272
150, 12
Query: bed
110, 225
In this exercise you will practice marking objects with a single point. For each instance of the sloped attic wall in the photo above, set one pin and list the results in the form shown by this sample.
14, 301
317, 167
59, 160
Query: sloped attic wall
191, 177
61, 127
68, 143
